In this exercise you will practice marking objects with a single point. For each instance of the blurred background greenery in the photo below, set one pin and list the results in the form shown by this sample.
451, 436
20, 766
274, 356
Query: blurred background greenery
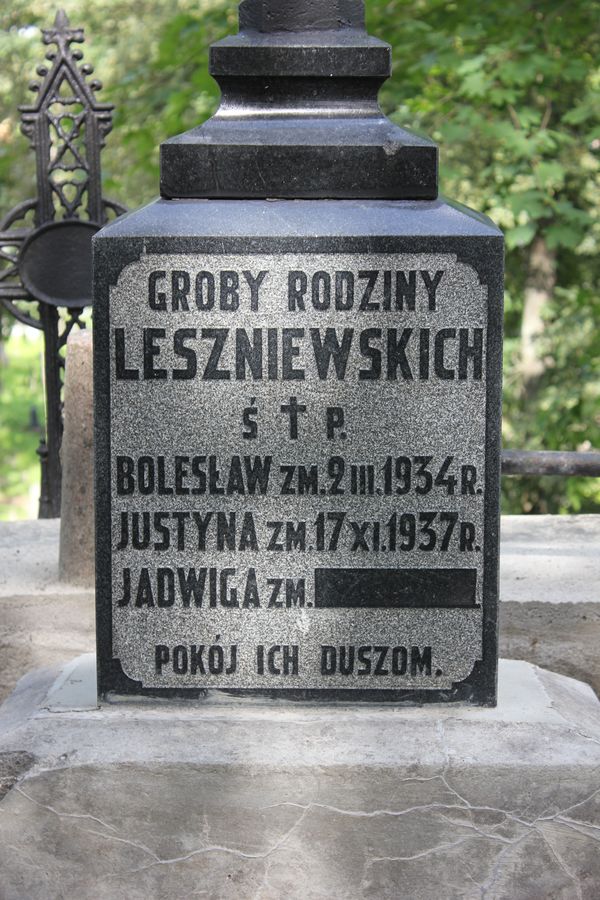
510, 90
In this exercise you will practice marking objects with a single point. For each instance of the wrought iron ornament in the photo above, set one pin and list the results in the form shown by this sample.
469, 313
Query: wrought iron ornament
45, 242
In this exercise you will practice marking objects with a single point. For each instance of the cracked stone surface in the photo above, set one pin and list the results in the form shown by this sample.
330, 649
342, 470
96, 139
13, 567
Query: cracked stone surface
228, 800
12, 765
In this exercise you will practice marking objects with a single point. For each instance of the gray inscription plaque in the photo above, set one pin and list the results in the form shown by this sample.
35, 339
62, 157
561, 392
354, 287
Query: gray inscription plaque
298, 471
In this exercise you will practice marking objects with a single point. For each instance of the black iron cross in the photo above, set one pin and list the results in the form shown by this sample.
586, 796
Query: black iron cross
45, 243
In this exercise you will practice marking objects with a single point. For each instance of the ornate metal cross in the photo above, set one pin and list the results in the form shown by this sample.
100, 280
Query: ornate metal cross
45, 242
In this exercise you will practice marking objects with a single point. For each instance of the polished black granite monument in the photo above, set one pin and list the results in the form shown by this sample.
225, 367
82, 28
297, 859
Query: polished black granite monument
298, 377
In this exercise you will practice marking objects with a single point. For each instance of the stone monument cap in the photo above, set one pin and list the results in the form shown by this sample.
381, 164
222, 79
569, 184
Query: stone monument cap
289, 15
299, 117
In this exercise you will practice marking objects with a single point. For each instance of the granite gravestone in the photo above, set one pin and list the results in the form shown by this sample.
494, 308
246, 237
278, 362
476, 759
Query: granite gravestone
298, 366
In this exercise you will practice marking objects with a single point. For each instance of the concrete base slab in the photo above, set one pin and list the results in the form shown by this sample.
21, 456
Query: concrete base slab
223, 799
550, 559
42, 621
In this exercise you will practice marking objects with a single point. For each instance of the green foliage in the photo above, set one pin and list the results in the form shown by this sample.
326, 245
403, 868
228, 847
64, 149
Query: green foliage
509, 90
512, 93
566, 415
20, 392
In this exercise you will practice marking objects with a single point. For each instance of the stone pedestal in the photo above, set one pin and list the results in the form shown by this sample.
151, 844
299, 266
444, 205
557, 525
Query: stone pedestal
229, 800
76, 563
302, 313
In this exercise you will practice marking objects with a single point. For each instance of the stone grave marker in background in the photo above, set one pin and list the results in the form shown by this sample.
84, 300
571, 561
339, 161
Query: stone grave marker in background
76, 560
298, 374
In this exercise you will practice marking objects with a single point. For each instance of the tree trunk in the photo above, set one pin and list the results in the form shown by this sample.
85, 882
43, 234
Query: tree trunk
539, 288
